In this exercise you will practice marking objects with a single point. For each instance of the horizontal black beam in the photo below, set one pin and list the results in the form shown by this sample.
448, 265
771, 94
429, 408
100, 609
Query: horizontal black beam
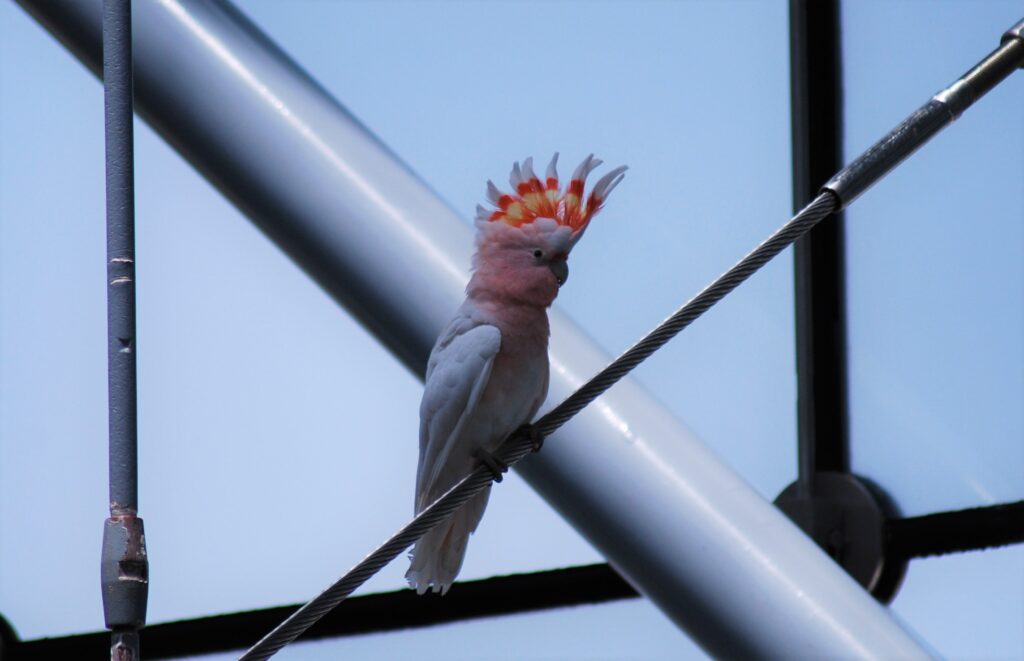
953, 532
914, 537
503, 595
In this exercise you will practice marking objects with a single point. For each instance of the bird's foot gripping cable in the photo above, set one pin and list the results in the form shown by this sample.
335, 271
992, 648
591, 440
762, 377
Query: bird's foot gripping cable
531, 432
497, 467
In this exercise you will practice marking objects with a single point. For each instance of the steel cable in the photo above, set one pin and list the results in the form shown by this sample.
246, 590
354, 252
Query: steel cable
520, 444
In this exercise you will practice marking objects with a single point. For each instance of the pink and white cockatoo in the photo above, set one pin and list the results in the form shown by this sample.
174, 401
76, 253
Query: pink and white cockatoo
488, 372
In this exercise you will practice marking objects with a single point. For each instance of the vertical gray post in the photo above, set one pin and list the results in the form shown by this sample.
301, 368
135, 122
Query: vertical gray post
124, 570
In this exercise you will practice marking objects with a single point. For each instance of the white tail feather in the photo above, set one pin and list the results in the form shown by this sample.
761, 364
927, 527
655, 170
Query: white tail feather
437, 556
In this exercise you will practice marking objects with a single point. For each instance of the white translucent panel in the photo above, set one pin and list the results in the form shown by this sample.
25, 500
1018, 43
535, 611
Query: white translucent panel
967, 605
277, 438
632, 629
936, 263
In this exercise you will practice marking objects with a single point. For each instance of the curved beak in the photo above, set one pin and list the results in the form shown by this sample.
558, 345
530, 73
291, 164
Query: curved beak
560, 267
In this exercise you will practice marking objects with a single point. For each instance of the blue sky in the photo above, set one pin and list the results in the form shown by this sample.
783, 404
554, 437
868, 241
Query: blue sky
267, 415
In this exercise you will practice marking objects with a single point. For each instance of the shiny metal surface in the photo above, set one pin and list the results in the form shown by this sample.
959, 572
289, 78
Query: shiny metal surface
928, 120
1015, 32
683, 528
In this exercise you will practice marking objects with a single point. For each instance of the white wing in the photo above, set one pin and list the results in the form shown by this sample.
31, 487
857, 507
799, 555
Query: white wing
457, 373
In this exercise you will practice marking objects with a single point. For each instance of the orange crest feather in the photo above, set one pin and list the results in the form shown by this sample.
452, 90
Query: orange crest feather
531, 199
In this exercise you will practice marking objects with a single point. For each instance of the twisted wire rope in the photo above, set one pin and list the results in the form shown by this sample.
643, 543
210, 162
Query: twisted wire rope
520, 444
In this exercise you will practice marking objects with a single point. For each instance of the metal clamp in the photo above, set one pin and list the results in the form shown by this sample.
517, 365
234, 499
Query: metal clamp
124, 572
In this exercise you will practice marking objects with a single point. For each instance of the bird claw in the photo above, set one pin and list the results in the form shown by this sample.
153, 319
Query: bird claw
495, 465
534, 435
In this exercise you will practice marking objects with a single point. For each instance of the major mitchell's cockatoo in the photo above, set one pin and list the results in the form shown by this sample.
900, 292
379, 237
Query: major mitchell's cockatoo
488, 372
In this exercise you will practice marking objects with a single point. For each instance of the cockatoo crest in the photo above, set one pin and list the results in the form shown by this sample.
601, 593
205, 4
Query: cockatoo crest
532, 200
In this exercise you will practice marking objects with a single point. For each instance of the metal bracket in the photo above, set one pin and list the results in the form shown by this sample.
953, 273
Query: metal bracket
846, 517
124, 572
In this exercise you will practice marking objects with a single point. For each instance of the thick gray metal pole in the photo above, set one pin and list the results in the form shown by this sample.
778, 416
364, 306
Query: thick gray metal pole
117, 75
123, 567
684, 529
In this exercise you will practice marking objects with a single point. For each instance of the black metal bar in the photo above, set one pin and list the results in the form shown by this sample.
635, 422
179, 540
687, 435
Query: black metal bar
124, 571
951, 532
946, 532
820, 270
389, 611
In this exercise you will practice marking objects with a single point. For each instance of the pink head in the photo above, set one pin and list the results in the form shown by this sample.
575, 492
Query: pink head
523, 244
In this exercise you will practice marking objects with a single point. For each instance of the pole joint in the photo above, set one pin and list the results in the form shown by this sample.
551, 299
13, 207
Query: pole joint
1016, 32
124, 573
929, 119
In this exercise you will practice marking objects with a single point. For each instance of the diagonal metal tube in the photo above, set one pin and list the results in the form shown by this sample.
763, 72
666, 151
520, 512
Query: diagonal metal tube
684, 529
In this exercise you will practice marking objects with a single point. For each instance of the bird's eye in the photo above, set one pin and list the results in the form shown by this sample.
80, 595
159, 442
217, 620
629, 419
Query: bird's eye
538, 253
